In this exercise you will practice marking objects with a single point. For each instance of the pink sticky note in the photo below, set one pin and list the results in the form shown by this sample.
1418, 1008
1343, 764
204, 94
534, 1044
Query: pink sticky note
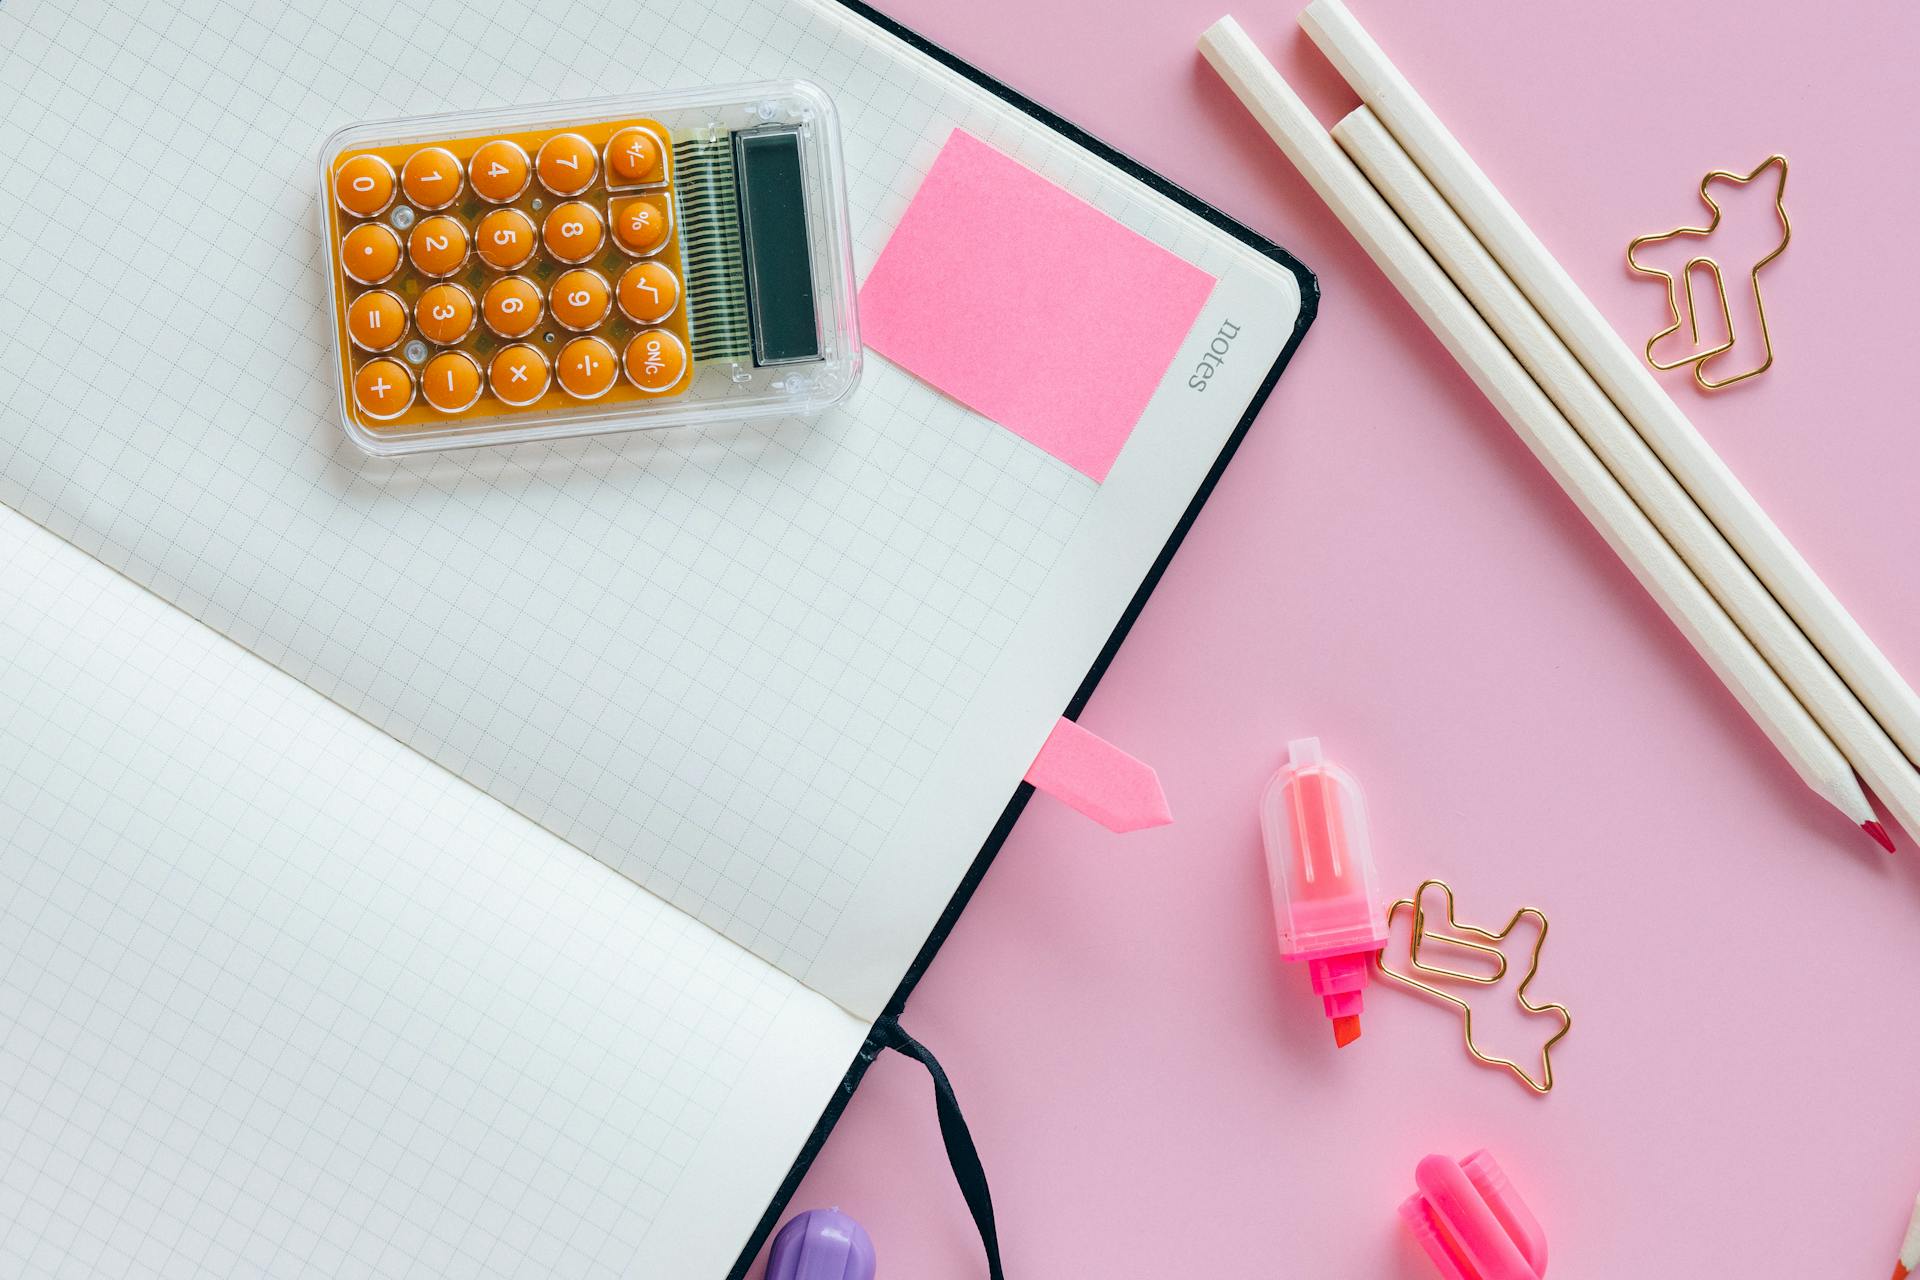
1086, 771
1029, 305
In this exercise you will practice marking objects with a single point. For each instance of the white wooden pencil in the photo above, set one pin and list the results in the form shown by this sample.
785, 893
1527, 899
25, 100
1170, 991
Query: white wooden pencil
1673, 512
1909, 1260
1618, 370
1533, 417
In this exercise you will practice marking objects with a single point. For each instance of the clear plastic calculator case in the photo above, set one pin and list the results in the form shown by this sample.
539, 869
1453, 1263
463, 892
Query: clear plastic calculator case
652, 260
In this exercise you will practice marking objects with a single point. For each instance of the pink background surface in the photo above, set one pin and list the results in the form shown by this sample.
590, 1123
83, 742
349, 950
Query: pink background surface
1152, 1093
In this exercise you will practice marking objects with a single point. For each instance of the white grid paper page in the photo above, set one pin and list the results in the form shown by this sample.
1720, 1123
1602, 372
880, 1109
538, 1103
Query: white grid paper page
726, 663
280, 997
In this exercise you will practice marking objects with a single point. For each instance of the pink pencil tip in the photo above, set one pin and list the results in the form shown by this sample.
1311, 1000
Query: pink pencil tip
1879, 833
1899, 1271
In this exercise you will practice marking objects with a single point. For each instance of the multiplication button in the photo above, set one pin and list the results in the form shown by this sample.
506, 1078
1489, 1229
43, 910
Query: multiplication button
518, 375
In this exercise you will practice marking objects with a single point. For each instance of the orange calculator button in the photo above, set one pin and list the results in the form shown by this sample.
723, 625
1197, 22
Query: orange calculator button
649, 291
633, 157
444, 314
370, 253
363, 185
431, 177
573, 231
586, 368
640, 224
499, 170
518, 374
505, 239
438, 245
656, 361
580, 298
377, 321
567, 164
451, 382
511, 306
383, 388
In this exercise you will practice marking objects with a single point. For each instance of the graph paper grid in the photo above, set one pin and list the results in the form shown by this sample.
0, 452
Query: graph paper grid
280, 997
720, 661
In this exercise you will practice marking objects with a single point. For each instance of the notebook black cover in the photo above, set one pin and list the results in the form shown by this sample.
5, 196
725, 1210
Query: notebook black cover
1309, 305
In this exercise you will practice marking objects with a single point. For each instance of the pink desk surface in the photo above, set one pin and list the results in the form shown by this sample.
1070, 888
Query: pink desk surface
1152, 1094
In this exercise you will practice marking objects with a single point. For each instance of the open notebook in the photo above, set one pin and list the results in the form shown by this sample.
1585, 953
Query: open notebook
302, 968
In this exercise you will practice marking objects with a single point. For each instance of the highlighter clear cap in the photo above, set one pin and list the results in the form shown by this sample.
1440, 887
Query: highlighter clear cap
1326, 894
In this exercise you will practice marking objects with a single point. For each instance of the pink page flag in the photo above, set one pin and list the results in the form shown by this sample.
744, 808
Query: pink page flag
1029, 305
1079, 767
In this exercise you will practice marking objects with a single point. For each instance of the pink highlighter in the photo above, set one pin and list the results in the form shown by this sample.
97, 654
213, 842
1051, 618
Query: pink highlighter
1326, 896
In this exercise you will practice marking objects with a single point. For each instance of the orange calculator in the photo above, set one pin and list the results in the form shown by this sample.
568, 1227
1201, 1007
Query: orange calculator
504, 276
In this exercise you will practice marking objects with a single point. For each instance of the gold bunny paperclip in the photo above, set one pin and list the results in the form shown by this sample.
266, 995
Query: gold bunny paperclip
1454, 935
1683, 282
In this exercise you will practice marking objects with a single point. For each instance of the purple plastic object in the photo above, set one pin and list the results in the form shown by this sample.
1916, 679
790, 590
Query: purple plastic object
821, 1244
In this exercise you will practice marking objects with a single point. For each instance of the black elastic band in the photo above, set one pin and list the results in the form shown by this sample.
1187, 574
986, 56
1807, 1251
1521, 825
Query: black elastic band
961, 1153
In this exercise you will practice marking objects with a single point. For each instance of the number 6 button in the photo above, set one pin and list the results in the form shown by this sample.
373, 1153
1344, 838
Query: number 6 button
511, 307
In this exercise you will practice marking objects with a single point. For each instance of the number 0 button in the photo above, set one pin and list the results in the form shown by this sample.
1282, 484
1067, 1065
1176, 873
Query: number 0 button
363, 185
586, 368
